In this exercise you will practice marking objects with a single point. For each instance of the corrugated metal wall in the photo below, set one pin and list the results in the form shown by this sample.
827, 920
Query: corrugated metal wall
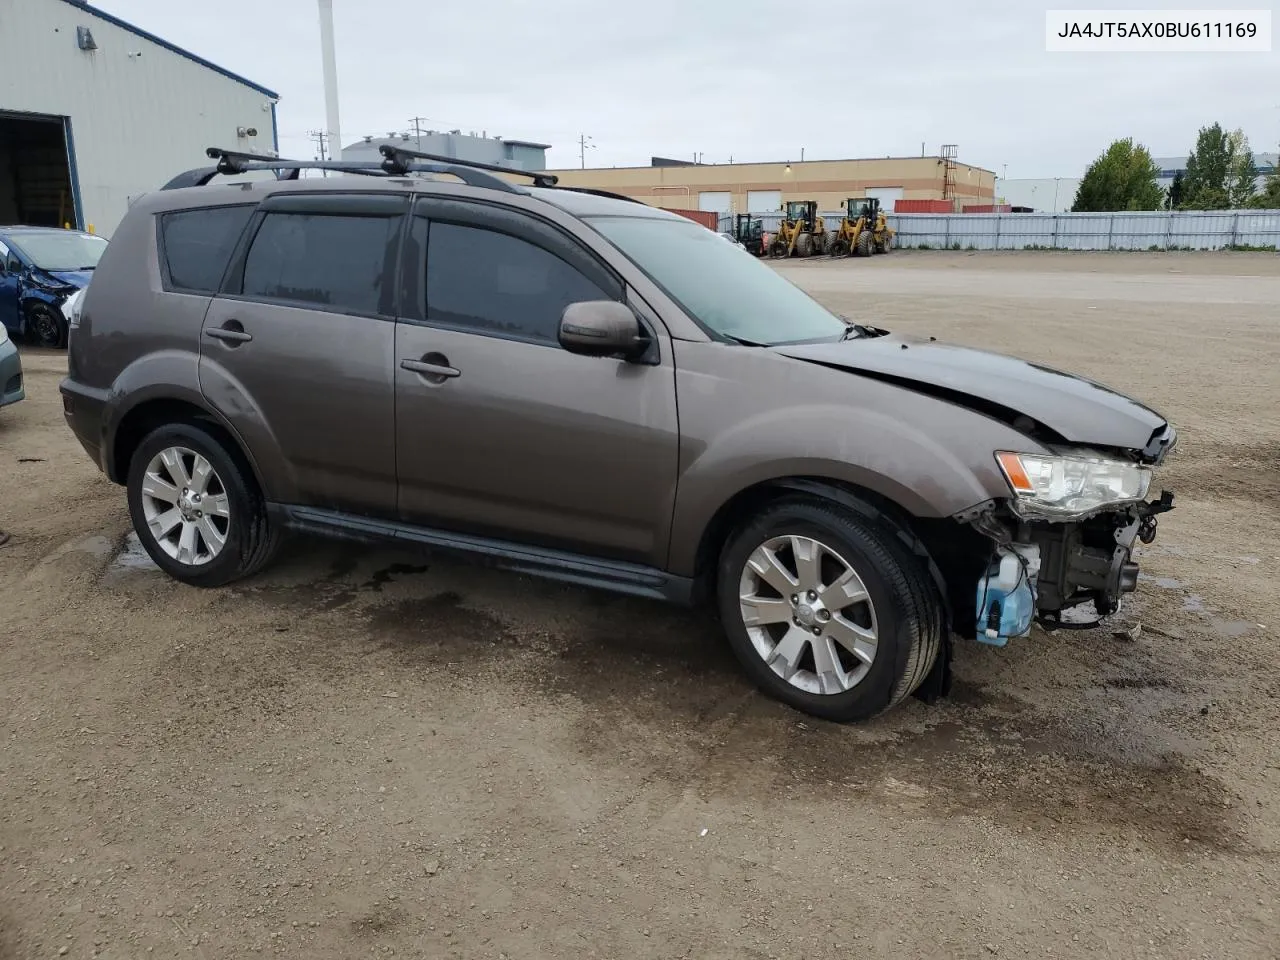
1190, 230
136, 120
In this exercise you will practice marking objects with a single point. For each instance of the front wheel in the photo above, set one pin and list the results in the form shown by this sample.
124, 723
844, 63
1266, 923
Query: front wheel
46, 326
826, 612
196, 507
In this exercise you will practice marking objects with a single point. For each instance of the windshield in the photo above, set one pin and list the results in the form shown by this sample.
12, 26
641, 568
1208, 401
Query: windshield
719, 284
61, 250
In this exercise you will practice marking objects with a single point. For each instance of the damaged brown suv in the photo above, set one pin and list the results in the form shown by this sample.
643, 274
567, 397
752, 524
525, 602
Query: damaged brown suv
578, 386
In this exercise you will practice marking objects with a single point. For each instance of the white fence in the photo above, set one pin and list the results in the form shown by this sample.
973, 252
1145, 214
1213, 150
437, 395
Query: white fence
1183, 230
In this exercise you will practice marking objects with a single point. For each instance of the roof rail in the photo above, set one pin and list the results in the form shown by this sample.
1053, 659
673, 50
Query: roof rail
398, 160
604, 193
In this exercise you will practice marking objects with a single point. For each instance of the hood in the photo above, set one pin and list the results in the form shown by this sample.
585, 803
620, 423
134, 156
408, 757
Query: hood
77, 278
1079, 411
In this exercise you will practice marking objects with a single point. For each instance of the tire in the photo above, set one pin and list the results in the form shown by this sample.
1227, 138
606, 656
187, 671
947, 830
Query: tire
777, 249
804, 245
249, 538
888, 245
901, 607
864, 245
839, 248
45, 326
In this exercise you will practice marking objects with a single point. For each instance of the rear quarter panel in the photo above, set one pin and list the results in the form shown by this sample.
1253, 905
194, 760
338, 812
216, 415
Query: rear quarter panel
137, 342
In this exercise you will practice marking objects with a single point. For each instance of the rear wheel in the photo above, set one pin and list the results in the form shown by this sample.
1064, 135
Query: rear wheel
45, 326
196, 507
804, 245
826, 611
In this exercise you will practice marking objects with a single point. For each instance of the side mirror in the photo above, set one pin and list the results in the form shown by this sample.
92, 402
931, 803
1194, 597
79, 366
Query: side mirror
601, 328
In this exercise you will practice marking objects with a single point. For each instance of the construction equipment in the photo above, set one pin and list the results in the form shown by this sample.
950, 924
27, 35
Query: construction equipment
750, 233
863, 231
801, 233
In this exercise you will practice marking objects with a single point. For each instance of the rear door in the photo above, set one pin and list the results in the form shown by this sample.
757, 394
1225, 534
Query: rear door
296, 350
515, 437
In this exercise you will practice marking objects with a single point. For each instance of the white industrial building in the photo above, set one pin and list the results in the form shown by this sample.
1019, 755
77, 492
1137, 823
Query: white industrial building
95, 111
481, 148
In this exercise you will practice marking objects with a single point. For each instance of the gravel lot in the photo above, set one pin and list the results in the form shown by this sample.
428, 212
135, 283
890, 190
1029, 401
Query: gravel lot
364, 752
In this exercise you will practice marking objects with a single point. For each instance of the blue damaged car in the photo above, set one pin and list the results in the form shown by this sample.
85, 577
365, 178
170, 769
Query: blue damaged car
40, 267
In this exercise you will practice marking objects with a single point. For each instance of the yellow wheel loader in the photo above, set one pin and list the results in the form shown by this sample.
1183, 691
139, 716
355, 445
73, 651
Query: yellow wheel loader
863, 231
802, 233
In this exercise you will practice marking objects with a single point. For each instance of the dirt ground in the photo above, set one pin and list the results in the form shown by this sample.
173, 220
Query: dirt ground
364, 752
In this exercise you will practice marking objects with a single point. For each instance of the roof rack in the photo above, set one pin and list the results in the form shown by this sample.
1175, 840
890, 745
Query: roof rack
398, 160
232, 162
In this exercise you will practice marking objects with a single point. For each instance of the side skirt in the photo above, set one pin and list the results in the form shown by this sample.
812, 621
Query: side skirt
612, 575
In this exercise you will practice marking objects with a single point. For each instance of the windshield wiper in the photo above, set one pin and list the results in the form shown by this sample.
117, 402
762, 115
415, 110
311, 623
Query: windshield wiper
743, 341
860, 331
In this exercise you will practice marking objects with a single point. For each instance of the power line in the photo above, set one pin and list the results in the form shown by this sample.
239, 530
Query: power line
321, 140
418, 129
584, 145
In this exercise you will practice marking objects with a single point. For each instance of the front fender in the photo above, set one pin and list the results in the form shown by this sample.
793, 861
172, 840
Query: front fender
870, 449
28, 295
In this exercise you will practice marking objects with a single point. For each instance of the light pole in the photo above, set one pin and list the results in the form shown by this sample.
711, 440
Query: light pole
330, 66
1056, 181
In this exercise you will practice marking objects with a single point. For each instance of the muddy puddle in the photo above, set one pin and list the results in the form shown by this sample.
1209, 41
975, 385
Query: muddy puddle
658, 689
655, 688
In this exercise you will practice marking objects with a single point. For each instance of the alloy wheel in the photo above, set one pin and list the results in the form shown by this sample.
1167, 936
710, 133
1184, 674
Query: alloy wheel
808, 614
185, 506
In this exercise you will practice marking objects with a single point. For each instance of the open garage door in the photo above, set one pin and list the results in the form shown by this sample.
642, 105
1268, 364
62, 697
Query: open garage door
35, 171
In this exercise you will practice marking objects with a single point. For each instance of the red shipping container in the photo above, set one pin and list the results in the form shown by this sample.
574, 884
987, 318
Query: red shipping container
986, 208
708, 218
924, 206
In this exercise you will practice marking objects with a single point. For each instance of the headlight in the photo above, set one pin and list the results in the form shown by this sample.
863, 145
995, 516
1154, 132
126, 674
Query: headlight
71, 308
1065, 488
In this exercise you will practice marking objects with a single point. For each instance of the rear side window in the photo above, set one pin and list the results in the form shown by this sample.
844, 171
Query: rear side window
492, 283
342, 262
197, 244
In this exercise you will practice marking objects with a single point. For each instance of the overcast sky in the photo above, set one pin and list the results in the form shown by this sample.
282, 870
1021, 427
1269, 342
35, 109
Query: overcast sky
746, 79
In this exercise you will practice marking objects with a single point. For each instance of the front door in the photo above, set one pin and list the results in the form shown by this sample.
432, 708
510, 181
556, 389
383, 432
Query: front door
504, 433
9, 274
297, 349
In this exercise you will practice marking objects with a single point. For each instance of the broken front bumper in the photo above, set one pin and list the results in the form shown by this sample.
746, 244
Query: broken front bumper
1042, 569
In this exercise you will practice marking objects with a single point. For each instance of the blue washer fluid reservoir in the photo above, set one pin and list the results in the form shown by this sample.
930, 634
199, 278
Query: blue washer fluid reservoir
1007, 594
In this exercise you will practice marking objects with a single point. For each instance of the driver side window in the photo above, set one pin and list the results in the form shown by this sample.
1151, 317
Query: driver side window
487, 282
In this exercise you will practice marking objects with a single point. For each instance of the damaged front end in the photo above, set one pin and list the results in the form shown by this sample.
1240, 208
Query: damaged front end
1065, 537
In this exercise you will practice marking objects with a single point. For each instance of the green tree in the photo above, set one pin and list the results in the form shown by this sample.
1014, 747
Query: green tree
1174, 199
1243, 182
1269, 198
1123, 178
1206, 186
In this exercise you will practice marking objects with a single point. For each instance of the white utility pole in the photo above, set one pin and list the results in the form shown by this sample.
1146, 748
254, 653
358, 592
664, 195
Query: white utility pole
330, 79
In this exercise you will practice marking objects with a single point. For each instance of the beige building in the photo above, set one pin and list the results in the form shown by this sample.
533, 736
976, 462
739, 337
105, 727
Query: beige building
764, 187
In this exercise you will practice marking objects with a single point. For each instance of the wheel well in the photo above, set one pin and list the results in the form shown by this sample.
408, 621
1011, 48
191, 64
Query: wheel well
149, 415
948, 548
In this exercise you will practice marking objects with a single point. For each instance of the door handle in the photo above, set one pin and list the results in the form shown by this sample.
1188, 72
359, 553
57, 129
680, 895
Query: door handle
229, 334
442, 370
